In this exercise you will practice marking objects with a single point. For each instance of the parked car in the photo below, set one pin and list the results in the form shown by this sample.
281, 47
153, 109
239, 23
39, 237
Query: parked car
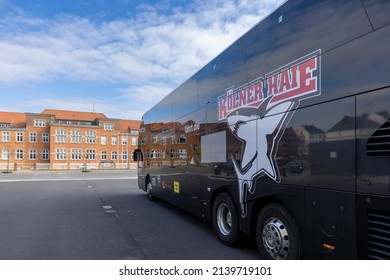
85, 167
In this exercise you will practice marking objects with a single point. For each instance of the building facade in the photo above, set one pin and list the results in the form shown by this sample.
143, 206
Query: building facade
62, 140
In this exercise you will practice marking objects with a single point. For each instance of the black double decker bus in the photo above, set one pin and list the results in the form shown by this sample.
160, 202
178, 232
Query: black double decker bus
284, 136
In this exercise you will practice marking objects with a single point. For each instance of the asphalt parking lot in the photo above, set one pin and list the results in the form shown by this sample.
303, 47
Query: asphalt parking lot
99, 215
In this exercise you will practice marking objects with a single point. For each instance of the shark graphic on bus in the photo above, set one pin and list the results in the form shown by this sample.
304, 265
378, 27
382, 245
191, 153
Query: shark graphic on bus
263, 108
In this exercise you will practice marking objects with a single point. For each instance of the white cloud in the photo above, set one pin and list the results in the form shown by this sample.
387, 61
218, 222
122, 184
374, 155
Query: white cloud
149, 54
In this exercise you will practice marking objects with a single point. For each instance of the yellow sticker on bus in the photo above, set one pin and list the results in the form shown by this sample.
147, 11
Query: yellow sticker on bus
176, 187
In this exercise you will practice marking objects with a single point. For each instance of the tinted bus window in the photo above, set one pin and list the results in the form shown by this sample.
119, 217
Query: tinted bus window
224, 71
184, 99
162, 112
378, 12
301, 27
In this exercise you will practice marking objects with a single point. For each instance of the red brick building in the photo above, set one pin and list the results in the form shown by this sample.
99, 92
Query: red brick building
59, 139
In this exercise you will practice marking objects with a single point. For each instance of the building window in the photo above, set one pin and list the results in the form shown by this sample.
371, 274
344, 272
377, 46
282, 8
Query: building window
134, 141
60, 136
103, 140
114, 155
5, 154
19, 136
45, 137
32, 154
173, 153
155, 154
154, 138
172, 139
6, 137
164, 140
5, 125
33, 137
40, 123
45, 154
182, 139
19, 154
75, 136
104, 155
90, 137
124, 140
124, 155
108, 126
90, 154
61, 154
114, 140
75, 154
182, 154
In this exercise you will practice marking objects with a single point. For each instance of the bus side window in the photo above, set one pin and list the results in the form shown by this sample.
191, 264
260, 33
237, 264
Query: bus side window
378, 11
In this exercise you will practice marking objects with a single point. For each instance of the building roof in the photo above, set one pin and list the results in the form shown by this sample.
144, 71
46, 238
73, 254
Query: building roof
74, 115
311, 129
127, 125
16, 120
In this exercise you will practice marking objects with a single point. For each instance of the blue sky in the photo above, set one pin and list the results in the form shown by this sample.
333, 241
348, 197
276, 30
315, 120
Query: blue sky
118, 57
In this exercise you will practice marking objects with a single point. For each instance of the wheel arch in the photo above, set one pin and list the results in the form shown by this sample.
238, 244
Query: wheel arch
258, 205
214, 194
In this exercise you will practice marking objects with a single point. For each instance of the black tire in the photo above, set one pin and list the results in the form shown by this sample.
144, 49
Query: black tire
277, 234
225, 220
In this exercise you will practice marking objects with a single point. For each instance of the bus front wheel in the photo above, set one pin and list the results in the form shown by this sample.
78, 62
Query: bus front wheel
149, 190
277, 234
225, 220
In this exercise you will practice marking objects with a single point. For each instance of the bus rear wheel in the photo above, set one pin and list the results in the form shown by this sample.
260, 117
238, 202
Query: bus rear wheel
277, 234
225, 220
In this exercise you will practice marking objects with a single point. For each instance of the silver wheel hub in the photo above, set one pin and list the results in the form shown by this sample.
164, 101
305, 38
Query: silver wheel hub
224, 219
276, 238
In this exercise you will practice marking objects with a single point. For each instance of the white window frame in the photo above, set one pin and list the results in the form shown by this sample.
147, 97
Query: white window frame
45, 154
114, 140
45, 137
33, 137
108, 126
5, 154
76, 154
39, 123
19, 137
19, 154
61, 135
90, 154
6, 136
61, 154
90, 137
32, 154
76, 136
